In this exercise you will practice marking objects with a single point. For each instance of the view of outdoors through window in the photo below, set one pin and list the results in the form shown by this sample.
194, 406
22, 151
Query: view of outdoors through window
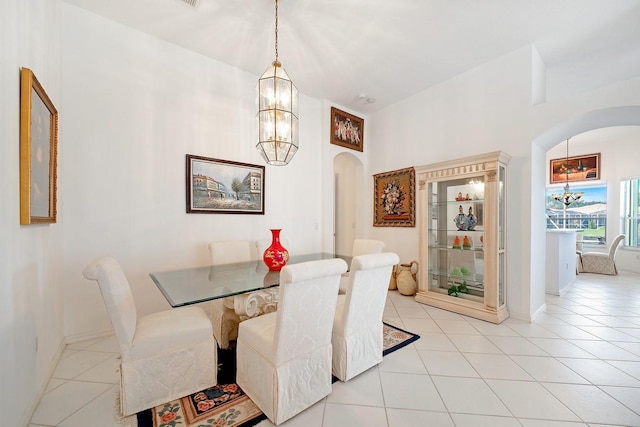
588, 214
630, 209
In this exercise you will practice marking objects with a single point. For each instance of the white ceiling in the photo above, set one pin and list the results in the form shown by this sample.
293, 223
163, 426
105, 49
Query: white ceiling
390, 49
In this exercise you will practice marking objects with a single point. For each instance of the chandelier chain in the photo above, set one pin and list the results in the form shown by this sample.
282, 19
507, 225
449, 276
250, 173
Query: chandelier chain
276, 30
566, 165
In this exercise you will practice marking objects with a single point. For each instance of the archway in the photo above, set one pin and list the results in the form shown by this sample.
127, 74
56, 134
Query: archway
348, 214
597, 119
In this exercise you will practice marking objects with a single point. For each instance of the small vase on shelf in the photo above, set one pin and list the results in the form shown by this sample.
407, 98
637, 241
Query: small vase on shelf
460, 219
466, 243
471, 220
275, 256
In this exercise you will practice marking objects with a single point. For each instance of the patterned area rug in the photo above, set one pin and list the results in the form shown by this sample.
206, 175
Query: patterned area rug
226, 404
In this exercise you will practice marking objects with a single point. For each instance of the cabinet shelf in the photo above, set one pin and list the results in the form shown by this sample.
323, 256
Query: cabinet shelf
440, 246
455, 231
475, 280
454, 202
469, 280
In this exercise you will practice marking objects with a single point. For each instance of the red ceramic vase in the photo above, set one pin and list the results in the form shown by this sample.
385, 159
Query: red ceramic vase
275, 256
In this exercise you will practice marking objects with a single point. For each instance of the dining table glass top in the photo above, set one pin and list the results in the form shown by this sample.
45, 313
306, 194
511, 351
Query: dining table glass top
198, 284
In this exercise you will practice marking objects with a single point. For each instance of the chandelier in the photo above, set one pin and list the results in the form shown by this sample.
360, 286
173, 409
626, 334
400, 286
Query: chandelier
277, 99
567, 197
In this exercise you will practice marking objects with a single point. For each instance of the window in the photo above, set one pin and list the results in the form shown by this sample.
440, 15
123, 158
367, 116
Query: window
630, 210
588, 214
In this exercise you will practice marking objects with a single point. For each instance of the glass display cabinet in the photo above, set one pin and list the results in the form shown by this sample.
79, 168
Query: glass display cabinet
461, 212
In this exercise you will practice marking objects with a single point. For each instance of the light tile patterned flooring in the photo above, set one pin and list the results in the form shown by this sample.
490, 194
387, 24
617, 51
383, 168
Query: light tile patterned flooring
577, 365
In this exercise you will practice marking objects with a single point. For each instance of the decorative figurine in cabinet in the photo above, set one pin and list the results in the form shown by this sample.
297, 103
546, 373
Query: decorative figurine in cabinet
461, 220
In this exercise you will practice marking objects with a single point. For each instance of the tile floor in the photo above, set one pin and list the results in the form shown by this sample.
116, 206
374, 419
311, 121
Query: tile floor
577, 365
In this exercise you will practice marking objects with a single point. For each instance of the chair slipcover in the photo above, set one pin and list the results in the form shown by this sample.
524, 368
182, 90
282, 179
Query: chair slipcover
365, 247
232, 251
224, 319
284, 357
164, 355
361, 247
357, 327
600, 262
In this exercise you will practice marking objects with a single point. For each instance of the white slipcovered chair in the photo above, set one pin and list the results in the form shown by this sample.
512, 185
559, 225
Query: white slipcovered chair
224, 319
164, 355
361, 247
601, 262
284, 357
365, 247
357, 326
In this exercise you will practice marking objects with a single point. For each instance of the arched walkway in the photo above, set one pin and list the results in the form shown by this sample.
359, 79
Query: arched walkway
597, 119
348, 187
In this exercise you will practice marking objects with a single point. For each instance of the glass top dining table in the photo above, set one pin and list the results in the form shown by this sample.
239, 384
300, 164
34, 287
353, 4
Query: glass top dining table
198, 284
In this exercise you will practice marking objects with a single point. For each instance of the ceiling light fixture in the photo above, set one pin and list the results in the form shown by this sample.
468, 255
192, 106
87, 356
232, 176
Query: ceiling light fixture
277, 99
568, 197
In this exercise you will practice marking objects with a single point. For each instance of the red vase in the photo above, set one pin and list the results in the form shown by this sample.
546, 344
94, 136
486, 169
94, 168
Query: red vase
276, 255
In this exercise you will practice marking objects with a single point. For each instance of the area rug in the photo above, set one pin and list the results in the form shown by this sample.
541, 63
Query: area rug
226, 404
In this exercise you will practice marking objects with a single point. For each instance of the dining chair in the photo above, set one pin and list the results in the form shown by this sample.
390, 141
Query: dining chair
284, 357
224, 318
602, 262
361, 247
365, 246
357, 326
231, 251
164, 355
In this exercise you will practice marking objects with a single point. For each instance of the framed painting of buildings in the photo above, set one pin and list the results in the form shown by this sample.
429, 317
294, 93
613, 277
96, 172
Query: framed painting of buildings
223, 186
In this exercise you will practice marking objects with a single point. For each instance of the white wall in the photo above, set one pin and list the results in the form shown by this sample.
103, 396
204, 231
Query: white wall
486, 109
31, 256
479, 111
135, 106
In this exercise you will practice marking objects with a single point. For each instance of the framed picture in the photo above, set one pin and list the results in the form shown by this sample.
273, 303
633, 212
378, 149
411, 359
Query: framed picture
394, 198
38, 152
223, 186
347, 130
578, 168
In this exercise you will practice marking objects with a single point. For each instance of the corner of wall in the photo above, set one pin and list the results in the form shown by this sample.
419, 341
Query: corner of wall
538, 78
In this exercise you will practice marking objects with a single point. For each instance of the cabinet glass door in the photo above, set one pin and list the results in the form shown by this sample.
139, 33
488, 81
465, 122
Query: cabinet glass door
456, 237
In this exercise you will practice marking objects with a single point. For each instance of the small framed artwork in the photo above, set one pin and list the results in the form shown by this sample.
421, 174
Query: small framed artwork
38, 152
394, 198
347, 130
223, 186
577, 168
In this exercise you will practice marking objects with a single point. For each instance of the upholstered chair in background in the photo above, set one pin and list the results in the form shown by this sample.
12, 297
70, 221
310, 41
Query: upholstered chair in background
223, 317
361, 247
284, 357
357, 326
164, 355
601, 262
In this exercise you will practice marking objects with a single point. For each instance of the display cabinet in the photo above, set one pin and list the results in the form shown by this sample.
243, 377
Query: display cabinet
461, 219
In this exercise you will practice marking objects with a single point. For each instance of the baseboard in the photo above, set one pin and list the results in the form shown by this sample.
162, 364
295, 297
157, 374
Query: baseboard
539, 312
52, 367
88, 336
527, 317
